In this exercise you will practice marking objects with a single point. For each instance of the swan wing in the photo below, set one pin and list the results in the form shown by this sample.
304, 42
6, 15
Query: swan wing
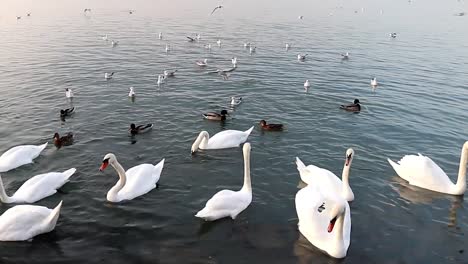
323, 179
22, 222
41, 186
223, 204
140, 180
228, 139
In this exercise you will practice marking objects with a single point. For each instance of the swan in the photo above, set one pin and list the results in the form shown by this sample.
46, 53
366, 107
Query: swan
307, 84
134, 182
221, 140
421, 171
327, 180
374, 82
23, 222
324, 220
68, 93
20, 155
131, 93
37, 188
227, 203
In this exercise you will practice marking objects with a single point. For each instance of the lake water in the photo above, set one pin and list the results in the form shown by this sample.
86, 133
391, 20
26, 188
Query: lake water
419, 106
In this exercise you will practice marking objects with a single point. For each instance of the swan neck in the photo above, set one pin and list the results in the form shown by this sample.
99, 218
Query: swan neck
247, 182
122, 181
346, 189
3, 196
339, 240
461, 181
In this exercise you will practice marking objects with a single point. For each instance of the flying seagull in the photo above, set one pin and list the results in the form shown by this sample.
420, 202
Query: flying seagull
218, 7
87, 9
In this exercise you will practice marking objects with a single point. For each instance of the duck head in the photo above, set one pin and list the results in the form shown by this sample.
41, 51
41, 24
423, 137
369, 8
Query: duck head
356, 101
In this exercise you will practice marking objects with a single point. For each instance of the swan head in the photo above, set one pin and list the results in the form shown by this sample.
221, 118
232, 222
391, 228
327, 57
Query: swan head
337, 210
198, 141
349, 157
108, 158
246, 148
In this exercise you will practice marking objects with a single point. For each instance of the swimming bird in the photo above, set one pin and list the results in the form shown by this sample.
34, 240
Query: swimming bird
131, 93
131, 11
247, 44
215, 116
393, 35
227, 203
235, 101
170, 73
134, 182
140, 129
221, 140
108, 76
67, 112
252, 49
168, 48
301, 57
190, 39
354, 107
218, 42
114, 43
374, 82
23, 222
105, 38
324, 220
18, 17
161, 79
345, 56
160, 36
326, 180
460, 14
202, 63
68, 93
216, 8
87, 10
28, 14
421, 171
288, 46
234, 61
307, 84
19, 156
66, 140
271, 127
301, 17
198, 36
37, 187
208, 46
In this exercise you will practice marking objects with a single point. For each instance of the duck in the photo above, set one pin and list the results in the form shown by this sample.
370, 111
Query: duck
134, 182
354, 107
203, 63
345, 56
67, 112
329, 182
23, 222
37, 188
374, 82
227, 203
271, 127
63, 141
422, 172
131, 93
140, 129
235, 101
307, 84
170, 73
215, 116
108, 76
68, 93
301, 57
222, 140
324, 220
19, 156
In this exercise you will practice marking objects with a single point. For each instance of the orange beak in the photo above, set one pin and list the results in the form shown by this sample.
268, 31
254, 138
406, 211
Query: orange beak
331, 225
103, 166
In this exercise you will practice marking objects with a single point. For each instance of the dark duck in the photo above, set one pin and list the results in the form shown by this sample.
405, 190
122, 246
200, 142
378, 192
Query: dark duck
271, 127
215, 116
66, 140
134, 129
354, 107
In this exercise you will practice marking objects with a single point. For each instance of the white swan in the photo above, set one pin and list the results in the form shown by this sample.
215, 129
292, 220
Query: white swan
421, 171
227, 203
37, 188
68, 93
19, 155
374, 82
307, 84
221, 140
131, 93
134, 182
23, 222
327, 180
324, 220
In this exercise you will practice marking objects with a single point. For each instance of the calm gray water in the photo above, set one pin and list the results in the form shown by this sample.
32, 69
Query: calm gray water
420, 106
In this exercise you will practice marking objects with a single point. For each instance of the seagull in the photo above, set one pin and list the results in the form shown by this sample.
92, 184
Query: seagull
234, 61
301, 57
18, 17
246, 44
198, 37
252, 49
131, 93
68, 93
160, 79
203, 63
301, 17
307, 84
87, 10
218, 42
105, 38
460, 14
288, 46
114, 43
108, 76
373, 82
208, 46
169, 73
218, 7
235, 101
131, 11
168, 48
345, 56
160, 35
190, 39
393, 35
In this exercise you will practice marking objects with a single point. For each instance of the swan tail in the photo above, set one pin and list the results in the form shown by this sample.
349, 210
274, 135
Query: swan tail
249, 131
300, 164
69, 173
43, 146
394, 165
160, 165
51, 220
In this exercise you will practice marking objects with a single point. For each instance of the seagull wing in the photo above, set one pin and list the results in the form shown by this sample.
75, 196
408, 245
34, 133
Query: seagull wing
214, 10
